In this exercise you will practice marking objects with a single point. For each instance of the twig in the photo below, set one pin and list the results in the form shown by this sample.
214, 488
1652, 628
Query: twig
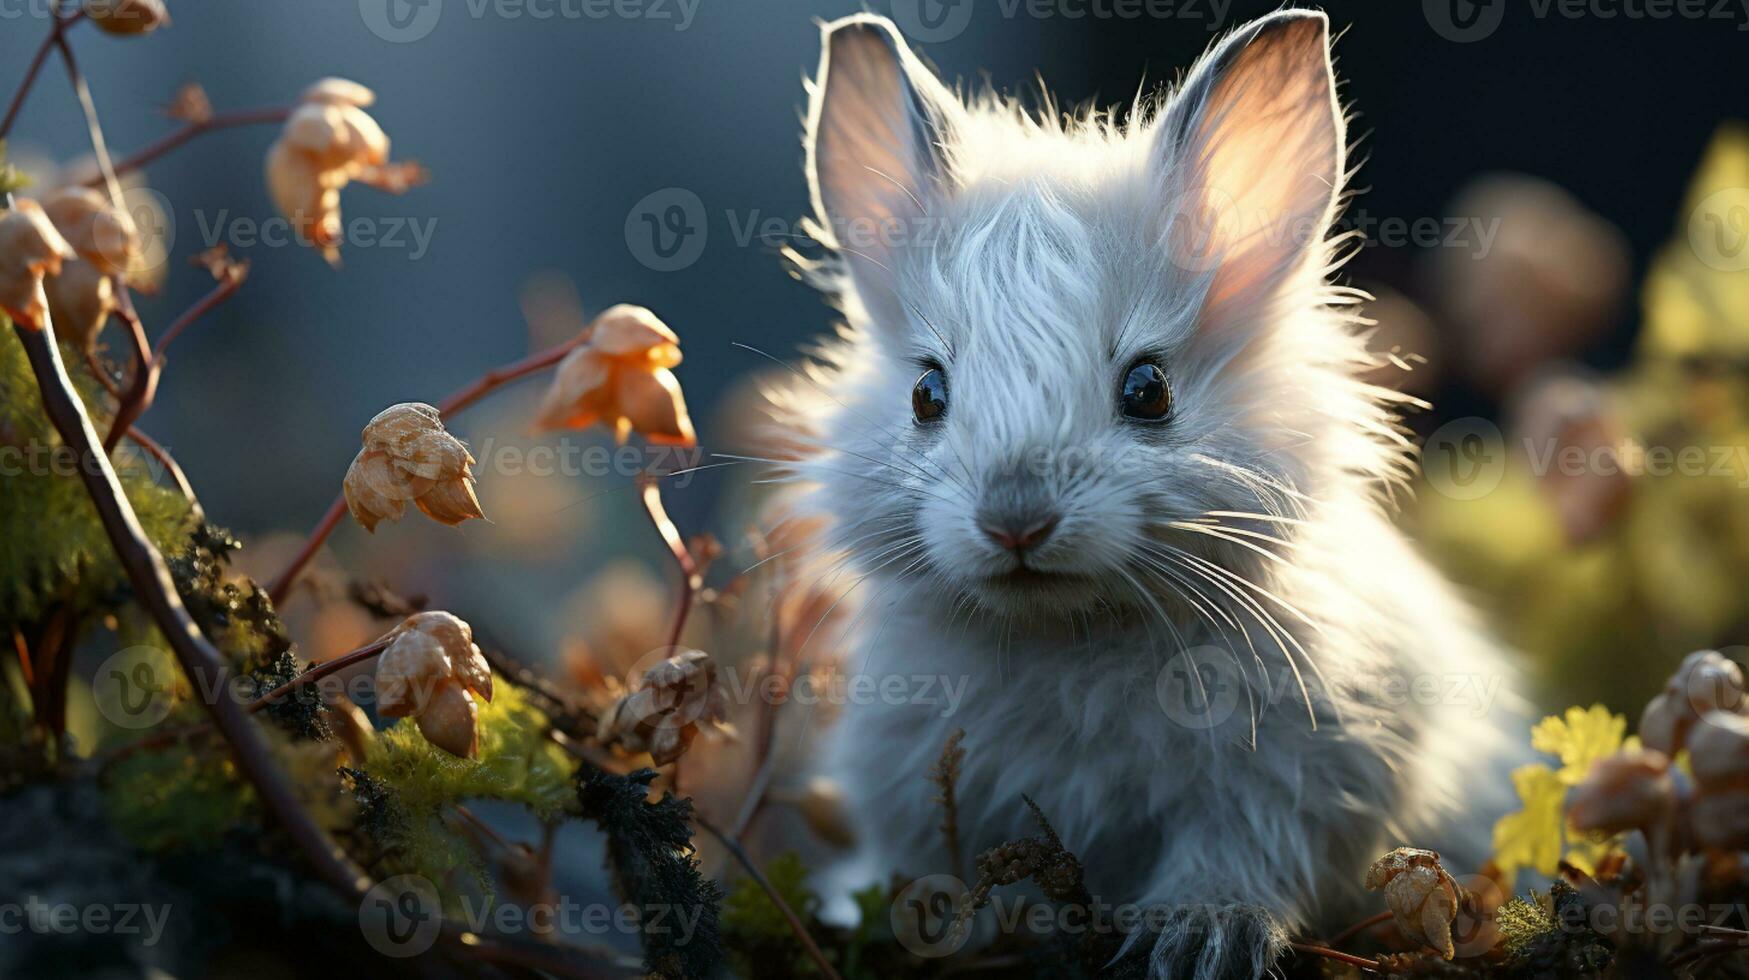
486, 384
206, 669
143, 384
168, 461
1312, 949
149, 366
690, 578
795, 923
99, 147
144, 441
226, 288
36, 65
321, 670
156, 591
1359, 927
223, 120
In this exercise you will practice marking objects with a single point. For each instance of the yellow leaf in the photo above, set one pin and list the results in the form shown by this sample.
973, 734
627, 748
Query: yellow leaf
1531, 837
1580, 738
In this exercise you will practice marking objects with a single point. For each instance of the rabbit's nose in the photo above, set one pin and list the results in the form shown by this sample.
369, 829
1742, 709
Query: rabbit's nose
1020, 536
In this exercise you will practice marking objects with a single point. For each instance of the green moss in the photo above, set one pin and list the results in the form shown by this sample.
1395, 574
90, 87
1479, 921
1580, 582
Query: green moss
56, 550
754, 930
517, 763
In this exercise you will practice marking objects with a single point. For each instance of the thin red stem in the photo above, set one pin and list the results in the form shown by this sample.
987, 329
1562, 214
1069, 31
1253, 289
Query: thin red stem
223, 120
321, 670
1312, 949
36, 67
795, 923
93, 126
690, 579
226, 288
461, 399
143, 385
1360, 927
282, 585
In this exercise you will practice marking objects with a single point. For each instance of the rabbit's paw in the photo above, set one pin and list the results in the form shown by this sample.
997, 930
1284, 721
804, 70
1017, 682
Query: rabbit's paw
1216, 942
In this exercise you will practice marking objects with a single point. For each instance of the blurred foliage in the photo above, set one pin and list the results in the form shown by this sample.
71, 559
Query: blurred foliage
1606, 618
1537, 836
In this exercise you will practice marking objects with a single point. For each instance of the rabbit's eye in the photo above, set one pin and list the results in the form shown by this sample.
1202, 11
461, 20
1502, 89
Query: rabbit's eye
1146, 396
929, 396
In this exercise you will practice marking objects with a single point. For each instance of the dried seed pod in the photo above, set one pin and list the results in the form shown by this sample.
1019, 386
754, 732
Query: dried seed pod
621, 378
81, 300
662, 716
100, 232
327, 142
1630, 790
467, 665
409, 673
127, 17
1706, 681
450, 721
30, 248
431, 670
428, 650
408, 455
1422, 897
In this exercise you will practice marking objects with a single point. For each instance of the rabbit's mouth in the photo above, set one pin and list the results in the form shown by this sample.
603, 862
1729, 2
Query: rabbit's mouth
1037, 589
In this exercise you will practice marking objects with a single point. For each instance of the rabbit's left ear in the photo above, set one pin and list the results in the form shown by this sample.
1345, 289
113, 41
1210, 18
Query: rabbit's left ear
877, 128
1249, 158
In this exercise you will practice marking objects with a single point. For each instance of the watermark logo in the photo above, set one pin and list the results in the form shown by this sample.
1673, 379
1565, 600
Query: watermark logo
1464, 21
1200, 688
154, 223
1718, 230
932, 21
1465, 459
401, 21
924, 912
133, 687
401, 916
667, 230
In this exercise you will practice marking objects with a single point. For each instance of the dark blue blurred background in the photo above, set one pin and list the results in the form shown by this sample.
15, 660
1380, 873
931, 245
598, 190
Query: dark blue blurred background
543, 136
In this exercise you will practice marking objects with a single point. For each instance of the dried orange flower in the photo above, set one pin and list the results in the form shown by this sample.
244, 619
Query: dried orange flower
1630, 790
30, 248
127, 16
431, 670
81, 300
1706, 681
1422, 897
664, 714
408, 455
328, 142
100, 232
621, 378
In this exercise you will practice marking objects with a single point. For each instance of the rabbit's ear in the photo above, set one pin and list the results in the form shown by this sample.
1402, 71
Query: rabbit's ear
1249, 159
876, 126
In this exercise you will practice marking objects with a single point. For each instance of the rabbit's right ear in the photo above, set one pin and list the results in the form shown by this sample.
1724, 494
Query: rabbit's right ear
876, 128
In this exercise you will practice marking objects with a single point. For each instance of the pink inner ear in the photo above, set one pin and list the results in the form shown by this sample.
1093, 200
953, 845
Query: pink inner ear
867, 157
1265, 162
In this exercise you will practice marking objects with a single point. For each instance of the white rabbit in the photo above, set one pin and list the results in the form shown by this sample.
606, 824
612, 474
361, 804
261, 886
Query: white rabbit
1095, 442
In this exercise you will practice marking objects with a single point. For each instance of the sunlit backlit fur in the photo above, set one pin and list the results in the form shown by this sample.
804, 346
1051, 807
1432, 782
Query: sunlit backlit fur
1246, 537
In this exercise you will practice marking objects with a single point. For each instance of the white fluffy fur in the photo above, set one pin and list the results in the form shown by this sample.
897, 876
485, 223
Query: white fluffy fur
1036, 259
